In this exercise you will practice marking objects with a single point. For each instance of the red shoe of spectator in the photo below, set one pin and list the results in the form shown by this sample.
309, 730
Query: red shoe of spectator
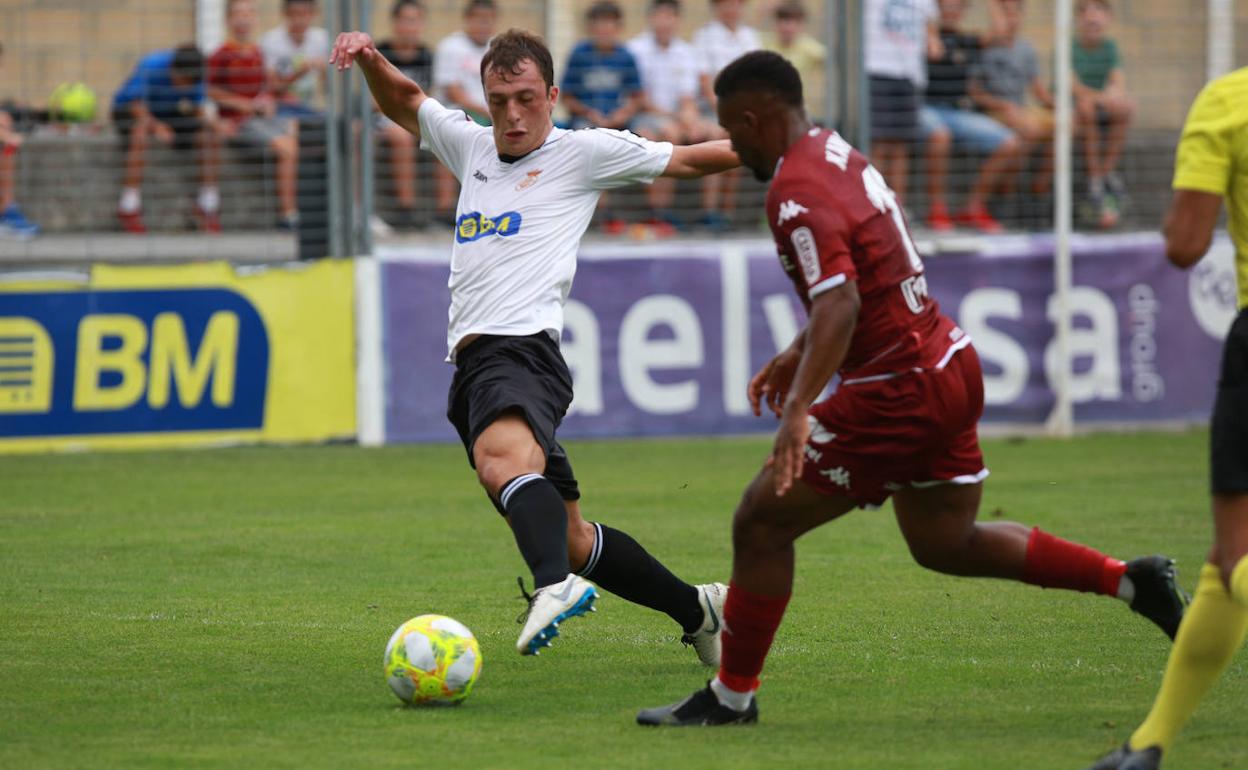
132, 222
938, 218
979, 218
661, 229
209, 221
614, 227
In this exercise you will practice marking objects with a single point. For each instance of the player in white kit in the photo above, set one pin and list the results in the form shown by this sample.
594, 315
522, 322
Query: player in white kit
528, 193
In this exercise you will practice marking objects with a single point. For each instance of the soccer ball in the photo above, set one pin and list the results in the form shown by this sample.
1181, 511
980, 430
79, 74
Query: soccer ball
72, 103
432, 659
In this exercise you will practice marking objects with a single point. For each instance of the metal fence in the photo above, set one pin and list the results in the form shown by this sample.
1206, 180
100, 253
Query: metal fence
64, 61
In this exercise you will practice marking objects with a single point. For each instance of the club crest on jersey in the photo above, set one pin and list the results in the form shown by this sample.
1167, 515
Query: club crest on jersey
788, 210
471, 227
529, 180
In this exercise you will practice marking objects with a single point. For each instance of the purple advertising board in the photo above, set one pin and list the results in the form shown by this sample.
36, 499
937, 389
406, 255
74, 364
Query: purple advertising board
662, 341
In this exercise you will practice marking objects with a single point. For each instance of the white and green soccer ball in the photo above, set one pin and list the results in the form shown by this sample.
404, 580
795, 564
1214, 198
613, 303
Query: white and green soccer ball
432, 659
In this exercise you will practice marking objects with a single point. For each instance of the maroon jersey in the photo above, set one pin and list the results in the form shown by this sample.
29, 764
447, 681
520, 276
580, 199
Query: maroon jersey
836, 220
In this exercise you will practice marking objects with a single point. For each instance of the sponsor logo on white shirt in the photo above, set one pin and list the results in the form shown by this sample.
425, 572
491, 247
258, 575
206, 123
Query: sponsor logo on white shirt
788, 210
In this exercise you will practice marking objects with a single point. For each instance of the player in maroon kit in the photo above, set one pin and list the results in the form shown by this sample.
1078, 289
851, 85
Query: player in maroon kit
902, 422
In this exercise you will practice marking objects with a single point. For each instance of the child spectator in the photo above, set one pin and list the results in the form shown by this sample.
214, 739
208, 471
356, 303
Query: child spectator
407, 51
297, 55
718, 42
949, 117
1006, 74
238, 83
12, 221
1101, 103
457, 83
790, 40
901, 36
669, 82
163, 99
601, 85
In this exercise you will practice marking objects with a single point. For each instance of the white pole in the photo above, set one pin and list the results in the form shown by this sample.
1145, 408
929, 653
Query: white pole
1221, 38
1061, 421
209, 25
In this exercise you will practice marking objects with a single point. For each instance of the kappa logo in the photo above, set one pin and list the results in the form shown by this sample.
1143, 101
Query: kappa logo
818, 433
790, 209
838, 476
477, 175
529, 180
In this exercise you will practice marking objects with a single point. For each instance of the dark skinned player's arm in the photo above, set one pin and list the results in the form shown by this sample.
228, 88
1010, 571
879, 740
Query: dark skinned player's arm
1189, 225
833, 315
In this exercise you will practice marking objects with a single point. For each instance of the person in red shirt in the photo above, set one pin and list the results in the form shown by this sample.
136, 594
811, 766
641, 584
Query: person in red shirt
902, 421
238, 83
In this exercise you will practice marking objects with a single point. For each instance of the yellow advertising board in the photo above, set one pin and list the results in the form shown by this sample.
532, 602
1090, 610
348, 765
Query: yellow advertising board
182, 355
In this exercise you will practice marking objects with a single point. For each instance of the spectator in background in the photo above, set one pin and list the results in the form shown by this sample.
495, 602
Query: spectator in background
669, 83
407, 51
457, 83
1006, 74
790, 39
601, 85
297, 55
718, 42
948, 117
901, 35
12, 221
239, 84
163, 99
1101, 102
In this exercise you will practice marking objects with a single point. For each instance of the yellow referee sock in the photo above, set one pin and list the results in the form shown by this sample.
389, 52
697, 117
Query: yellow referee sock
1239, 582
1210, 634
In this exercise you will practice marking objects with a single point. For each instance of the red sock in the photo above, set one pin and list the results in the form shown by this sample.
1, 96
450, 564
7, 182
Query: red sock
750, 623
1056, 563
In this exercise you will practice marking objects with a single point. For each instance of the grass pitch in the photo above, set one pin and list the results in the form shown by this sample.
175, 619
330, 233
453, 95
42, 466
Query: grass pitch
230, 608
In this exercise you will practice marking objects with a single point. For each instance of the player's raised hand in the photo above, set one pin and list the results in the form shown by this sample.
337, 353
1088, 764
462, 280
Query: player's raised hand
789, 453
351, 47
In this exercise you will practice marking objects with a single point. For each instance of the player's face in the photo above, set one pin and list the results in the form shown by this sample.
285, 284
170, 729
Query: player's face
520, 106
409, 25
746, 134
242, 19
479, 25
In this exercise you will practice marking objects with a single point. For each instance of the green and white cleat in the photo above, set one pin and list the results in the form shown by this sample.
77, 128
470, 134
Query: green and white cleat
706, 640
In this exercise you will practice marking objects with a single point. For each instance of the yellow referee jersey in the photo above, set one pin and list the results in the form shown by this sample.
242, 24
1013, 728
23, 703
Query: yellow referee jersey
1213, 157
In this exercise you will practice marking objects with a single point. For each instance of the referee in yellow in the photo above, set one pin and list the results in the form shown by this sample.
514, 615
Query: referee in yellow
1212, 165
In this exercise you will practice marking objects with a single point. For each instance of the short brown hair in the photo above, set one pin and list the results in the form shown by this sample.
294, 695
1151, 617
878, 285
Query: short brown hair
1079, 6
790, 9
511, 49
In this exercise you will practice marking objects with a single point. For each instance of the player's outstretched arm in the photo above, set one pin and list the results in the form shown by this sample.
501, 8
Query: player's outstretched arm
832, 317
397, 96
1189, 225
690, 161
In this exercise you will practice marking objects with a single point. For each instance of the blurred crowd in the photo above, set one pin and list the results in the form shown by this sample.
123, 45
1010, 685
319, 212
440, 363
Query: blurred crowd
936, 87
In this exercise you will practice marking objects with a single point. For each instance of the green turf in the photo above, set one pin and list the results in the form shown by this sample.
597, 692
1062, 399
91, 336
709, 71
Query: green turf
229, 609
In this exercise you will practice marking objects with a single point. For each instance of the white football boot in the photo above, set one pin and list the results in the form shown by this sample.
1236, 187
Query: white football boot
706, 640
550, 606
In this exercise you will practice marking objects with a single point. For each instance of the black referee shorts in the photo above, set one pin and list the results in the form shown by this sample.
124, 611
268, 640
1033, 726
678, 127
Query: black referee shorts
1229, 431
499, 374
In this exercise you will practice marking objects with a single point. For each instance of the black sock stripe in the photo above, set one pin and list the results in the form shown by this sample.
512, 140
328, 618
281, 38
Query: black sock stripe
515, 485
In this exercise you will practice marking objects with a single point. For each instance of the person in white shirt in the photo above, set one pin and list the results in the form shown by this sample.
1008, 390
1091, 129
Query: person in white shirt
295, 55
529, 191
718, 42
457, 82
669, 80
901, 35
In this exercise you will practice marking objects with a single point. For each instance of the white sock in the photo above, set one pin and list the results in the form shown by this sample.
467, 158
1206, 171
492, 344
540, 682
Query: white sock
1126, 589
209, 199
131, 200
730, 698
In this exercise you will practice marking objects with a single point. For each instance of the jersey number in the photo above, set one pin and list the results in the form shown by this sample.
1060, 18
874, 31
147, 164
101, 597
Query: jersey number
914, 288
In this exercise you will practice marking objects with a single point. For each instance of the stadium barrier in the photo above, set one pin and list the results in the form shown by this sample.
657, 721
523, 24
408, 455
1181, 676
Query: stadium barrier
663, 342
146, 357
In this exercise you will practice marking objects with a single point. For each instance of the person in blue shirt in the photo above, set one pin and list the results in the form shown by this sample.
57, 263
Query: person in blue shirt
163, 99
602, 85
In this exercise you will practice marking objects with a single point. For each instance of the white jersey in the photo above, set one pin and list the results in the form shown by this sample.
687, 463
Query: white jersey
668, 75
518, 225
717, 46
896, 33
284, 55
457, 62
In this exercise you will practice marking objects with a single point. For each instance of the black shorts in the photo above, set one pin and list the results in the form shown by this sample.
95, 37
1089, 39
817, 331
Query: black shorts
185, 126
894, 109
495, 375
1228, 435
